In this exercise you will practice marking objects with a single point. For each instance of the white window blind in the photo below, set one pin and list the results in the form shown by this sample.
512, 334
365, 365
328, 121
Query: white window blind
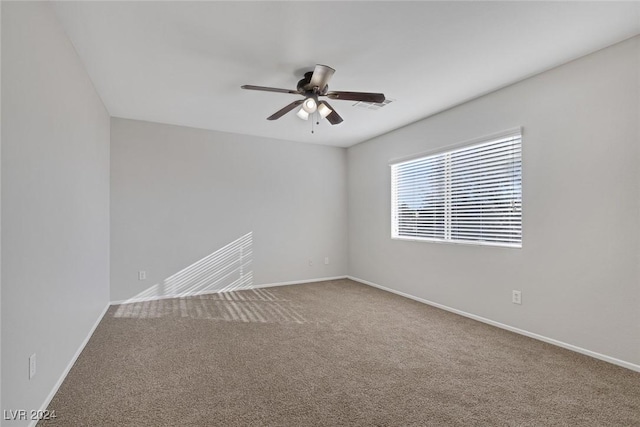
467, 195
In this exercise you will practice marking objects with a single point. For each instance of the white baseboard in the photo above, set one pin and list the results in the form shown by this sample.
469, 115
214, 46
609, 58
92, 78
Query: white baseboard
297, 282
55, 388
572, 347
192, 294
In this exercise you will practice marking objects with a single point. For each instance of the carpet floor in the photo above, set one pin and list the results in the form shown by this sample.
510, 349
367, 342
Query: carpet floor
330, 353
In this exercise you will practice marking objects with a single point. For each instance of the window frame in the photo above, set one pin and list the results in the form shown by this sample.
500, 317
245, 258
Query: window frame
515, 132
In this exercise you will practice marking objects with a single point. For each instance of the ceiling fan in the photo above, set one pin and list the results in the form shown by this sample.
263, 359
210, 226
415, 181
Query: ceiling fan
314, 85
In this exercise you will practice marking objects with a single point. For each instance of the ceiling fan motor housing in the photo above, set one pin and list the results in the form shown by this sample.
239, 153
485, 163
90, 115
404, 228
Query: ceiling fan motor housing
305, 88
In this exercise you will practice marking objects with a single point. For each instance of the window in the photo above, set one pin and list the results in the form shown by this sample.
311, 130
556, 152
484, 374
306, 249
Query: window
471, 194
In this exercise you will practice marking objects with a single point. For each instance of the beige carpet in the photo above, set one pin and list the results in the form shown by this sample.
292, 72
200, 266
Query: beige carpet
331, 353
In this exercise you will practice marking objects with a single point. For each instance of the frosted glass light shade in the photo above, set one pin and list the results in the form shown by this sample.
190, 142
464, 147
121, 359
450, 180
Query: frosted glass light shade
302, 114
309, 105
324, 110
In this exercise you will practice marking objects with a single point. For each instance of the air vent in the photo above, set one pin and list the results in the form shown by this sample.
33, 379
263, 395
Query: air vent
373, 105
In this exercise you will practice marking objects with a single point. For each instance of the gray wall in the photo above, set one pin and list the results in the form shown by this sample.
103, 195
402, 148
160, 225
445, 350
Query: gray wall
578, 267
55, 203
185, 201
0, 212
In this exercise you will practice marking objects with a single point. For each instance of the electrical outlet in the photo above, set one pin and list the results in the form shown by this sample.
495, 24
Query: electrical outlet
142, 275
516, 297
326, 260
32, 366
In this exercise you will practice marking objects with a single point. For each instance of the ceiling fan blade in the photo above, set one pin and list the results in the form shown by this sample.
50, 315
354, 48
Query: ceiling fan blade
270, 89
285, 110
357, 96
333, 117
321, 76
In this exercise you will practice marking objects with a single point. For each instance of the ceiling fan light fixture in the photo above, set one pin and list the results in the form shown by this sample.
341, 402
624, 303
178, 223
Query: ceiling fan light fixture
315, 84
323, 110
309, 105
302, 114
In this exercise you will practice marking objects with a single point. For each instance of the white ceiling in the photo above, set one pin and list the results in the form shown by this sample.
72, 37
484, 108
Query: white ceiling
184, 62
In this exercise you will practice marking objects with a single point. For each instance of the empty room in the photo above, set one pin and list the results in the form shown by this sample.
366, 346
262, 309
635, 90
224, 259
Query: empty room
318, 213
